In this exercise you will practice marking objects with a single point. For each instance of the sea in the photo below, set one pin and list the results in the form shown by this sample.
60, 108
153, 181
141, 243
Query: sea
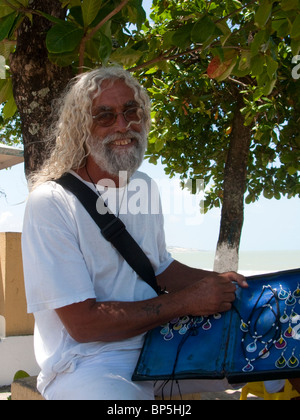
250, 263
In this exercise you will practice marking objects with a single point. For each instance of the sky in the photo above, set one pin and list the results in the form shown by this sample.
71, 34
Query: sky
269, 224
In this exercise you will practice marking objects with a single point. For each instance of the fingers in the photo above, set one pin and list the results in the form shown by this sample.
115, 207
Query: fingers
235, 277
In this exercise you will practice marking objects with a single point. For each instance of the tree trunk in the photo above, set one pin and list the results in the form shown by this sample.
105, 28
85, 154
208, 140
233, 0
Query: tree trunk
232, 219
36, 81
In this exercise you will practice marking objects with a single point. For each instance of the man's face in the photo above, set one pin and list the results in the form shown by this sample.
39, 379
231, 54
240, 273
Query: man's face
120, 146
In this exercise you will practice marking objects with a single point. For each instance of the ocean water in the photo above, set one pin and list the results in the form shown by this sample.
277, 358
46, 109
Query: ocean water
251, 262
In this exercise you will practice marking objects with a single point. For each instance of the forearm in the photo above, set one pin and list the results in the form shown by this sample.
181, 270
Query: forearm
177, 276
91, 321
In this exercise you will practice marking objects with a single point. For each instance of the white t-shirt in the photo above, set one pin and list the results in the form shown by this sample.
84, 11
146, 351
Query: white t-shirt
67, 260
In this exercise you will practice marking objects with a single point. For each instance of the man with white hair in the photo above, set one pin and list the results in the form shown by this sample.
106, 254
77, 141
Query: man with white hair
91, 308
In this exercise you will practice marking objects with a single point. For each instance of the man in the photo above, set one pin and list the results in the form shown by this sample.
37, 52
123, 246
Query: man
91, 309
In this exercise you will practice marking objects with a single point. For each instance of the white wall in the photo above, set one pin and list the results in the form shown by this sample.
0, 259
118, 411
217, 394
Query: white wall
16, 353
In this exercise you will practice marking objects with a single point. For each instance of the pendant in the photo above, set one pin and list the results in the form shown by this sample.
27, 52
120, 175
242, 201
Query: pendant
281, 343
264, 353
207, 326
252, 347
198, 320
283, 294
177, 326
291, 301
296, 293
184, 329
281, 362
293, 362
248, 368
289, 332
165, 329
169, 336
294, 317
285, 318
244, 327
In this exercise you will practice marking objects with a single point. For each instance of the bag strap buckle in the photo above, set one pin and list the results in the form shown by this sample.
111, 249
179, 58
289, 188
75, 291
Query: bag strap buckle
113, 229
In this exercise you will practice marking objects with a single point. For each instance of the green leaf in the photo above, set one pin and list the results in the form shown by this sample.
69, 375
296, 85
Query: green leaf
287, 5
263, 13
64, 38
126, 56
182, 37
296, 28
6, 25
20, 375
272, 67
5, 10
203, 30
6, 90
257, 65
10, 108
105, 48
90, 9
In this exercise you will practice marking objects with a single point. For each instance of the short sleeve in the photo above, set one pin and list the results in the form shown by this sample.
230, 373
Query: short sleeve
55, 272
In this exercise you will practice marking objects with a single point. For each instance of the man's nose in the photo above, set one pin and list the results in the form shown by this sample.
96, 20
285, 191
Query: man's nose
121, 124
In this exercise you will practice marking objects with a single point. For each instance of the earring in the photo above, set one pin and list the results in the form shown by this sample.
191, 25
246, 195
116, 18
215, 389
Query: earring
293, 362
281, 362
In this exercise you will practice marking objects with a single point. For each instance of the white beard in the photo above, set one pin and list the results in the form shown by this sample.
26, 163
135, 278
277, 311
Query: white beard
112, 160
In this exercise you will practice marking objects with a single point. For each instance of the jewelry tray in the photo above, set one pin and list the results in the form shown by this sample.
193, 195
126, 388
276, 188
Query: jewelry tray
259, 339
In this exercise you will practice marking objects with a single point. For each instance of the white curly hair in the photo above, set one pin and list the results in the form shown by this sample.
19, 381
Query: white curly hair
73, 122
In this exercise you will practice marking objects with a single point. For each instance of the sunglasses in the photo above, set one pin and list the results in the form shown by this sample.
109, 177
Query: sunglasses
107, 118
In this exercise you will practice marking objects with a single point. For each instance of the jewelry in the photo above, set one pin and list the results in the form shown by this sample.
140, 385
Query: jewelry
281, 343
293, 362
250, 329
285, 318
283, 294
281, 362
296, 293
289, 332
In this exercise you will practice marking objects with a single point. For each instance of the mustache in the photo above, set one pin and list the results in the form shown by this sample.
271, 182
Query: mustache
121, 136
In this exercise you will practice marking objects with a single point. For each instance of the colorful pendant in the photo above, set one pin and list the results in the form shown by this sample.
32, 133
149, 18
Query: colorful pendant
285, 318
281, 362
296, 293
207, 326
283, 294
244, 327
291, 301
248, 368
289, 332
169, 336
294, 317
252, 347
281, 343
165, 329
184, 329
264, 353
293, 362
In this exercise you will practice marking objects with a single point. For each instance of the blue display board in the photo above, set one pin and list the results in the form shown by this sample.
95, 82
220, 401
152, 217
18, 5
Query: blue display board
259, 339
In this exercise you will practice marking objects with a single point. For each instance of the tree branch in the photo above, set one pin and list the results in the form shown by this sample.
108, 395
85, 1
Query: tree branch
90, 34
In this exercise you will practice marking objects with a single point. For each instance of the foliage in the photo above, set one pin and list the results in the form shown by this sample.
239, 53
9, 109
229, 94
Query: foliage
208, 51
193, 59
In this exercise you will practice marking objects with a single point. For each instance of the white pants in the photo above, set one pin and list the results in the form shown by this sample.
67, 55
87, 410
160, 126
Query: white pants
107, 376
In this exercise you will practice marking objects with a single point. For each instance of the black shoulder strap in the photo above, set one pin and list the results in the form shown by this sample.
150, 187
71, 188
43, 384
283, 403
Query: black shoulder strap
113, 229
